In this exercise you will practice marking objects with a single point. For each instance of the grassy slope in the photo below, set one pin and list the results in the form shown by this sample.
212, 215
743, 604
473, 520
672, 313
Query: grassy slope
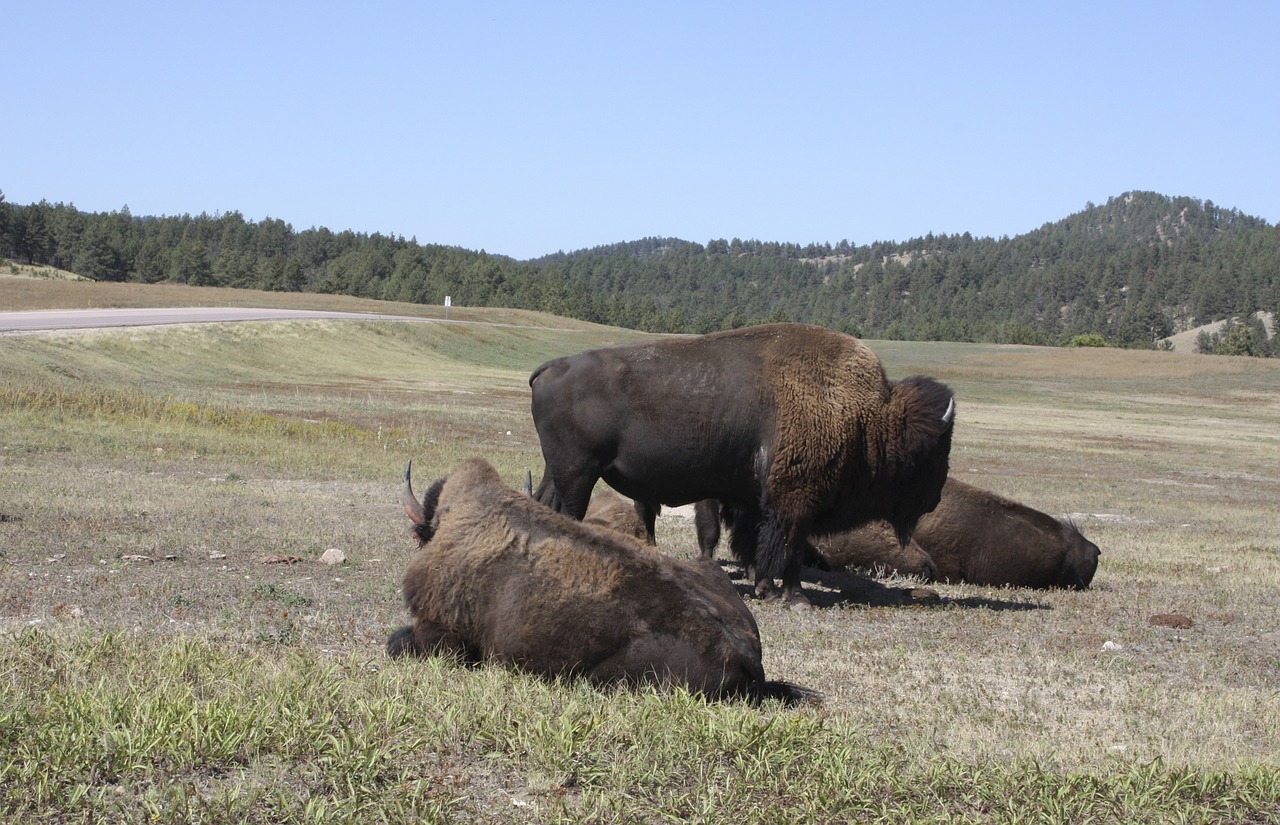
151, 660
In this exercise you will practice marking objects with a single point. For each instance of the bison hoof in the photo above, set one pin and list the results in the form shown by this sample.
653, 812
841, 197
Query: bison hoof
798, 601
768, 591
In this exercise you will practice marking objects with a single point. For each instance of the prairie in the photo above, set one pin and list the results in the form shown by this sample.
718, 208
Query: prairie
173, 649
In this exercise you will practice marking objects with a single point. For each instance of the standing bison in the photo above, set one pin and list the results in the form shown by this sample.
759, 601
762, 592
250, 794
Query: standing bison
795, 426
972, 536
498, 577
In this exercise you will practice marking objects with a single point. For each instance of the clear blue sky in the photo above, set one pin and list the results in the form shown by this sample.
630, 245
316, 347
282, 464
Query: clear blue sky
528, 128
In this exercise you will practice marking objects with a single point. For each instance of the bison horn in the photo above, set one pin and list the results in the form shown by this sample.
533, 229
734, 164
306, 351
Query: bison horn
951, 411
528, 483
411, 504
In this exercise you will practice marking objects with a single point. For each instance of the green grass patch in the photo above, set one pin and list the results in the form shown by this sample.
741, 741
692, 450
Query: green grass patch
159, 662
130, 728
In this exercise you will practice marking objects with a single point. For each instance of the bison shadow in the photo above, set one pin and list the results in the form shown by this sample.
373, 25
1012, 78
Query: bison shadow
837, 588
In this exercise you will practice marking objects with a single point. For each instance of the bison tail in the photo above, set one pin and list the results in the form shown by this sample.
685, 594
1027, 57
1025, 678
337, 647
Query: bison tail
788, 693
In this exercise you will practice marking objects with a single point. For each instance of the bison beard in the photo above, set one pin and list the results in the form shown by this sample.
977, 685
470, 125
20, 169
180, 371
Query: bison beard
794, 426
498, 577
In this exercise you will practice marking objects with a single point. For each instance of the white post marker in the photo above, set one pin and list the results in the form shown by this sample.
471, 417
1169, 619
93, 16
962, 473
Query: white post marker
448, 302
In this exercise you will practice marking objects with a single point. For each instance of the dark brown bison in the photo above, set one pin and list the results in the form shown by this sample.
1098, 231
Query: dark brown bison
978, 536
498, 577
972, 536
796, 426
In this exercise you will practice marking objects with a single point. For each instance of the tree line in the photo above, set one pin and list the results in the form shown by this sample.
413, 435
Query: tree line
1130, 272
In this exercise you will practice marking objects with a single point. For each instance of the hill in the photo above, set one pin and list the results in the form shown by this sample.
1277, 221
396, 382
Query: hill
1135, 270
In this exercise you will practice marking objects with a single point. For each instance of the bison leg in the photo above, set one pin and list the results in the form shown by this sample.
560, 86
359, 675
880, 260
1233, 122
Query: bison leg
569, 495
786, 547
706, 520
649, 517
791, 591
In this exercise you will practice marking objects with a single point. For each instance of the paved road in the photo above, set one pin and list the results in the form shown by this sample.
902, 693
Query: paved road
70, 319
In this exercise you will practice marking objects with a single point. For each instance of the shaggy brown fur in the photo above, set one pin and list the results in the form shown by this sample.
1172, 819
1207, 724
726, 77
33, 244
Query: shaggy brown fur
794, 425
874, 546
608, 509
501, 578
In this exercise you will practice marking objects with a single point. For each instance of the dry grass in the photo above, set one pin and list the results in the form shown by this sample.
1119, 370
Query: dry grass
147, 475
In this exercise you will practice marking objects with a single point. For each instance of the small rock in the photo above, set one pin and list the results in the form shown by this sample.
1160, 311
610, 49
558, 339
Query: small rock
135, 557
1110, 645
1171, 620
216, 555
333, 556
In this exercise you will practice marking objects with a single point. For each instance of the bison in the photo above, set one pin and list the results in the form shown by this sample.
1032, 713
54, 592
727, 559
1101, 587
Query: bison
498, 577
972, 536
980, 537
796, 426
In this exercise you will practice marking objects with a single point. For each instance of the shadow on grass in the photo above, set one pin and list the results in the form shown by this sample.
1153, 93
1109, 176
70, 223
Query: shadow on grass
841, 588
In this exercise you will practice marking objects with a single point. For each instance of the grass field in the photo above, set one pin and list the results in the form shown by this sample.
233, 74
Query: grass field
172, 648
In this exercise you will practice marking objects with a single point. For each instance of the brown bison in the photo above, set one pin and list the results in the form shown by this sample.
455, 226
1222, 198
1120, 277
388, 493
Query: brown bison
977, 536
972, 536
498, 577
796, 426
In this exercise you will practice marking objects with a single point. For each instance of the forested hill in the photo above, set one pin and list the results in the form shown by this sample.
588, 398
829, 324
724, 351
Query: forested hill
1132, 271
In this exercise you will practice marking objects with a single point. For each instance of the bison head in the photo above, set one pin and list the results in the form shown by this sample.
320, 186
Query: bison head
1079, 559
926, 409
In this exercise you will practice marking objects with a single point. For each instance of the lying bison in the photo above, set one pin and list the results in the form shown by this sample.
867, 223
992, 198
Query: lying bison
977, 536
796, 426
971, 536
498, 577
